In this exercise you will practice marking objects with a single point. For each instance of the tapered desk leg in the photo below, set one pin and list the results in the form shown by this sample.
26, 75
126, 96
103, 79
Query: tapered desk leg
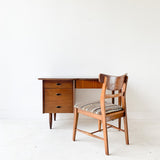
54, 116
50, 120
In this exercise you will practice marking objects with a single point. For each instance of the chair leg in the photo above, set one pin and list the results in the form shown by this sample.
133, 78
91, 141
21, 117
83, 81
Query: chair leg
105, 136
126, 129
76, 114
119, 123
99, 125
50, 120
54, 116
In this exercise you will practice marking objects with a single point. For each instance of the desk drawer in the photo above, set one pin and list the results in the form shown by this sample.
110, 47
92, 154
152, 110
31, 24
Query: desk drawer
58, 108
88, 84
57, 84
58, 101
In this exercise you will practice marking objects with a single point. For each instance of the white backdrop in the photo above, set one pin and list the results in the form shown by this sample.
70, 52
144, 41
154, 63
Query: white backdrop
79, 38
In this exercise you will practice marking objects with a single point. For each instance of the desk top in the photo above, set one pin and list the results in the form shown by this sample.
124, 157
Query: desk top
79, 82
67, 78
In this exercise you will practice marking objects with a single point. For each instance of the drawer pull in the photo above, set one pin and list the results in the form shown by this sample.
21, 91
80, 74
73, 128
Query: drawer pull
58, 94
58, 106
58, 84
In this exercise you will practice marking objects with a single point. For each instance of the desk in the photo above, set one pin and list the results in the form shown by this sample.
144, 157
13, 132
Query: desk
59, 93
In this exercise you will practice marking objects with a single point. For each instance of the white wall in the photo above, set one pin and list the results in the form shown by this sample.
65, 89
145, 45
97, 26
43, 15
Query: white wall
79, 38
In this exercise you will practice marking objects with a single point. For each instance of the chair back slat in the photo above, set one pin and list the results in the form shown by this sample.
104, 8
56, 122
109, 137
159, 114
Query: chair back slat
113, 82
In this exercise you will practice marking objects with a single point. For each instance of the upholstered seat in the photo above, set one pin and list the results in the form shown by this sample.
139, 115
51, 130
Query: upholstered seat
95, 107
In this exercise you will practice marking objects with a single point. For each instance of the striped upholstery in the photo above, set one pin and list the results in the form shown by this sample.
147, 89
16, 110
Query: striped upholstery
95, 107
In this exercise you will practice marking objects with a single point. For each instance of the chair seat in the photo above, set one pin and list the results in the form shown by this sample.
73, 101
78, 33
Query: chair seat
95, 107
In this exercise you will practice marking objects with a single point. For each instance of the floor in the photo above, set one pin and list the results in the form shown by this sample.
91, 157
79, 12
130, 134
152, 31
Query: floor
31, 139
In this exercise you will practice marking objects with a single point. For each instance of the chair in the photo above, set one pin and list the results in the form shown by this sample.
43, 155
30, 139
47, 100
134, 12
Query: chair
103, 111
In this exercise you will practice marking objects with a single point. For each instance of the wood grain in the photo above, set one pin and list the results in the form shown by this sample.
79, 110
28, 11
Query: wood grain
58, 84
113, 82
64, 100
88, 84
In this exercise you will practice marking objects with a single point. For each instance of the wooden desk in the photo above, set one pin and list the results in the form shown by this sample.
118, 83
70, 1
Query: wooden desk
59, 93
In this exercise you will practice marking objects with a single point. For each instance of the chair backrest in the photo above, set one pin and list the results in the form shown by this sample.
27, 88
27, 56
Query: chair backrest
113, 82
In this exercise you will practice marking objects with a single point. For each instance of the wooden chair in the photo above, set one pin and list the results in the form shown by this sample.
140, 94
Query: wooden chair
105, 112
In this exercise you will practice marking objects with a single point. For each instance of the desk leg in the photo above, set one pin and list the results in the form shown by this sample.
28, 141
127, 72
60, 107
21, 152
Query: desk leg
54, 116
50, 120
